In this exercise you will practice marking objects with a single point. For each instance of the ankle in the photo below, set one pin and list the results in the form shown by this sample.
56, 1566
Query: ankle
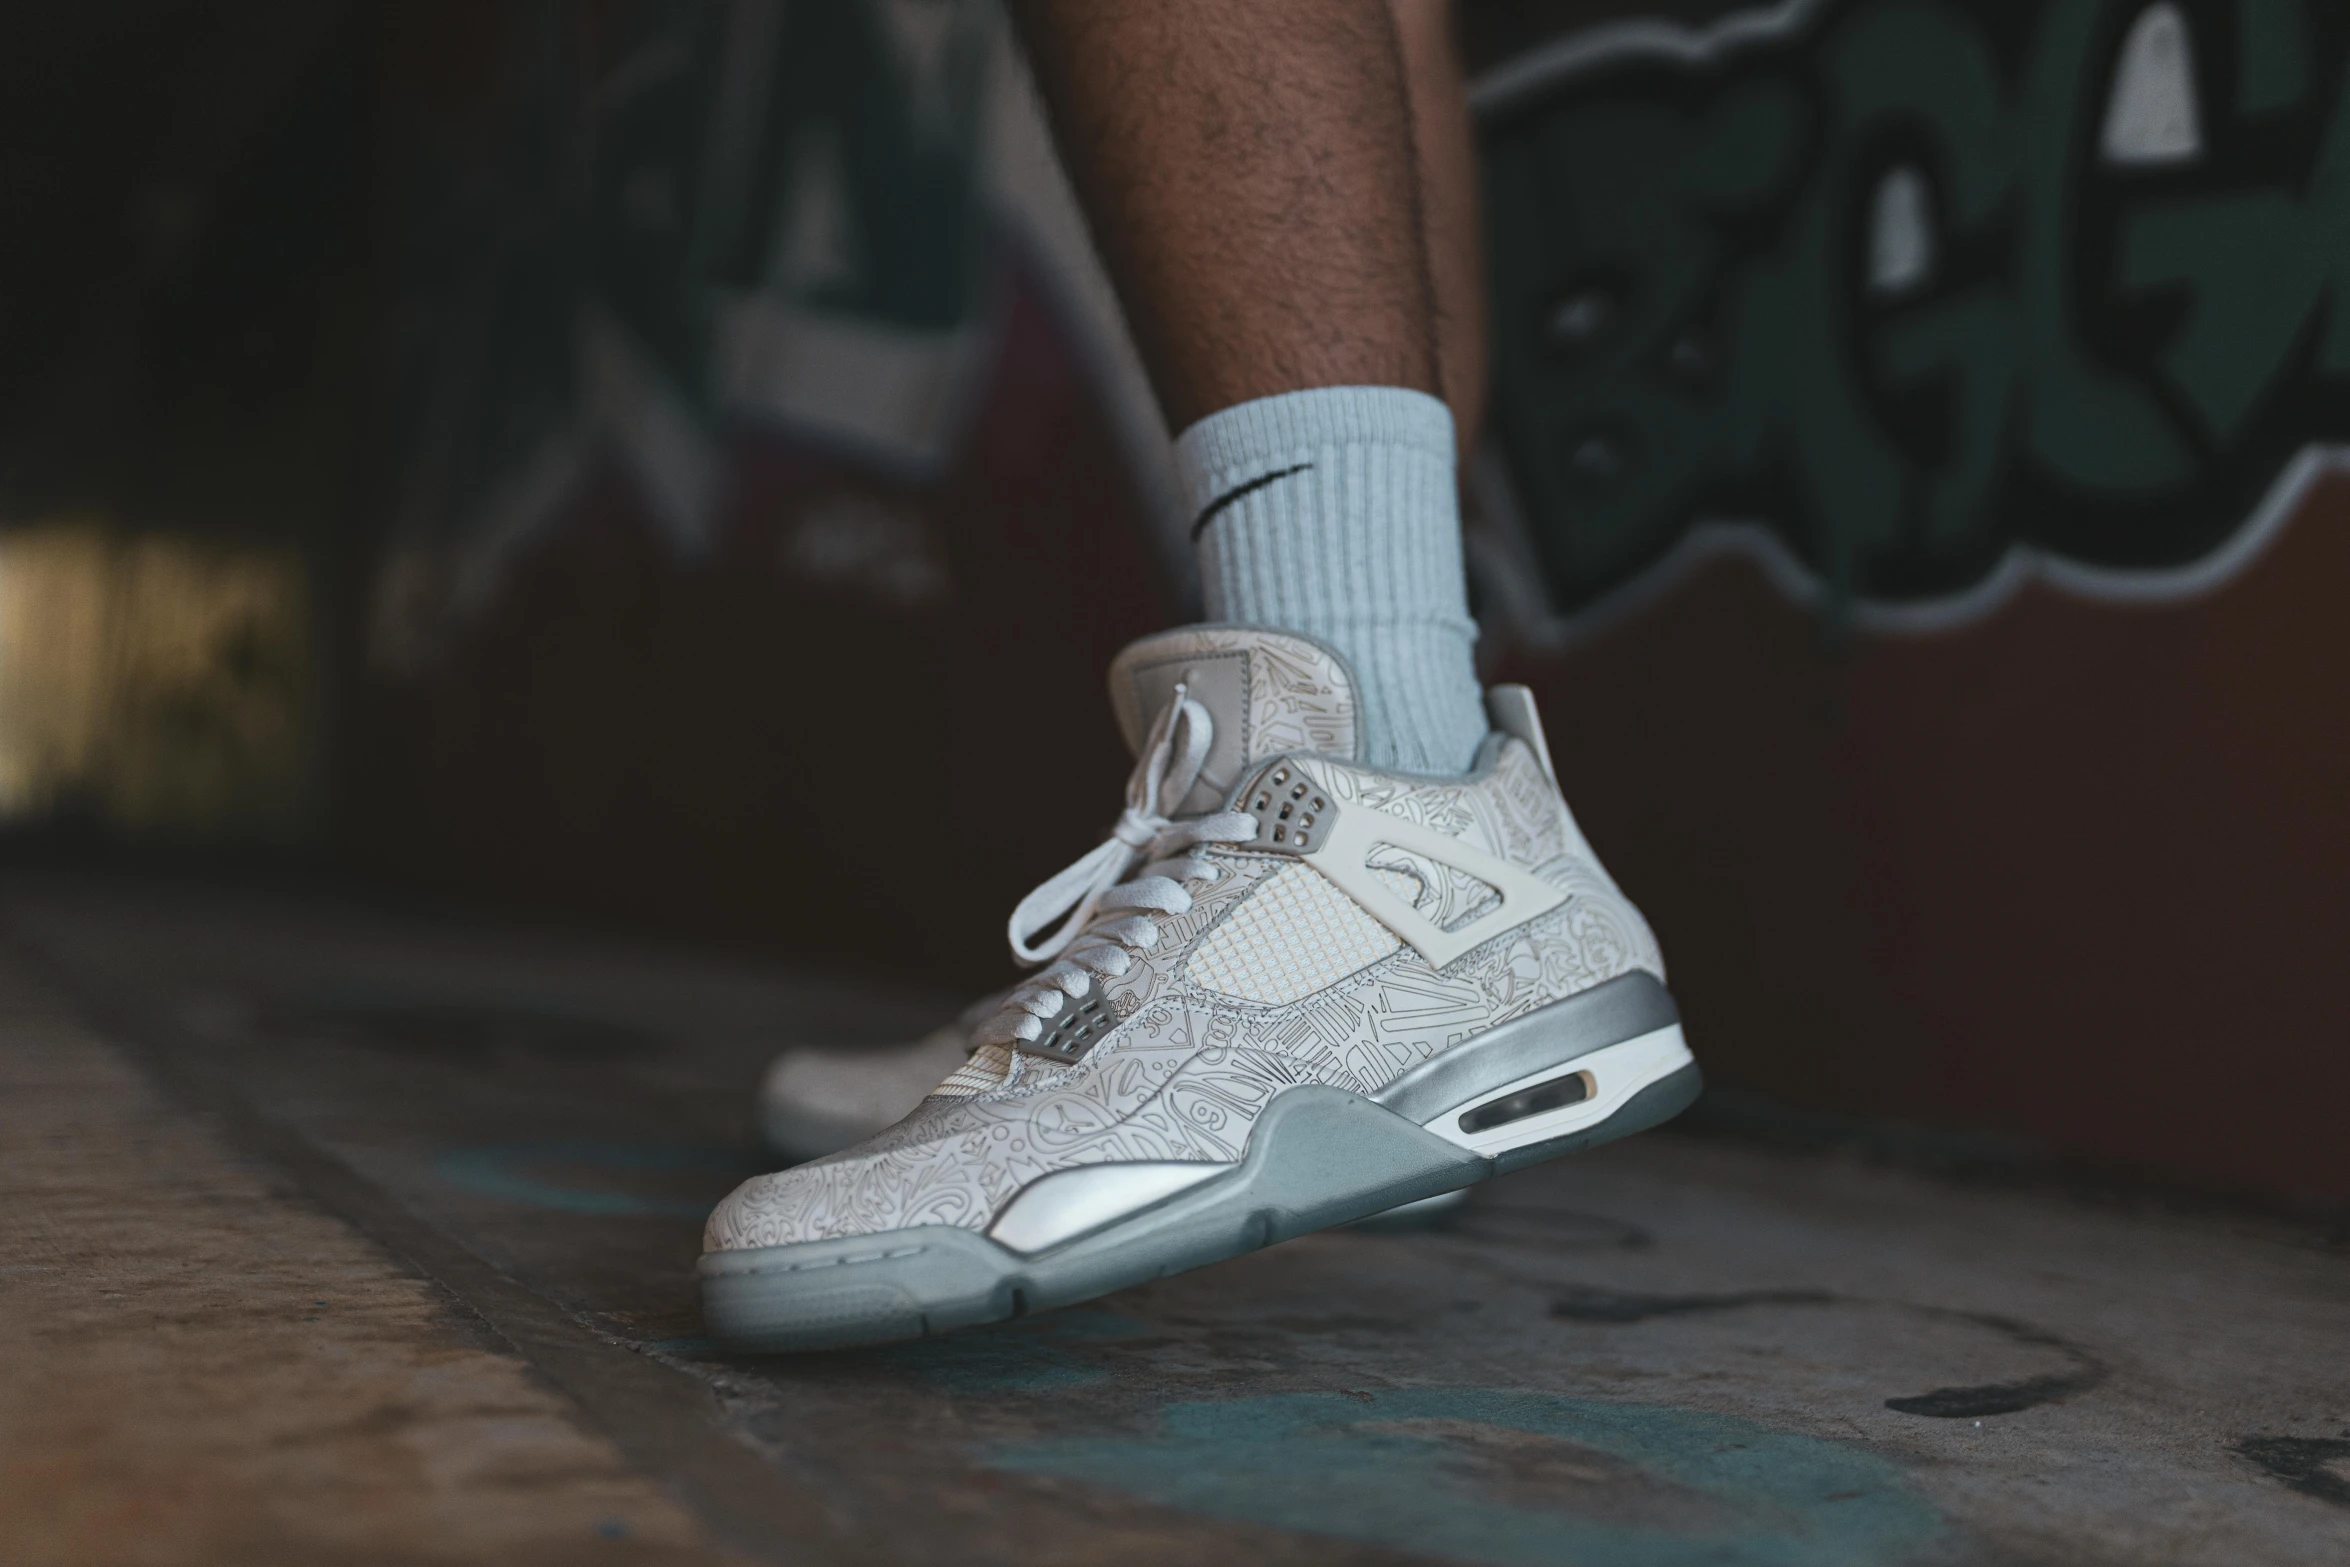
1333, 513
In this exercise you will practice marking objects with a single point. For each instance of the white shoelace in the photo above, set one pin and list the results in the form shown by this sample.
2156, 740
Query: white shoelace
1098, 919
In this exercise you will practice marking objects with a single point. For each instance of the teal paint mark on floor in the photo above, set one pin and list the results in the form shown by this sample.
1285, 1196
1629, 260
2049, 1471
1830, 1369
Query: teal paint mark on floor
524, 1173
1510, 1479
695, 1348
1039, 1355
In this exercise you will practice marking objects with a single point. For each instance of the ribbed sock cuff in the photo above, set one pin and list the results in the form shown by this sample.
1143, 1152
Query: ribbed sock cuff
1248, 440
1333, 513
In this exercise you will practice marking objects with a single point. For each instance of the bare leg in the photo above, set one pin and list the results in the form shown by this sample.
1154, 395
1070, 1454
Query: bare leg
1251, 176
1455, 236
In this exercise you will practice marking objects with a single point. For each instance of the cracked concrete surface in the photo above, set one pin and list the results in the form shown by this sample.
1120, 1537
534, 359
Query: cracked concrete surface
201, 1366
487, 1151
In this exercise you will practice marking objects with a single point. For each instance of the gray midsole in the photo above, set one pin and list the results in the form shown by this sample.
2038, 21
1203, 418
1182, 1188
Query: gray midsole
1625, 1007
1607, 1014
1318, 1157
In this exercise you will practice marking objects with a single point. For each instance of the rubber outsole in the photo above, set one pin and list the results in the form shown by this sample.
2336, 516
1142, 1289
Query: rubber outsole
1318, 1157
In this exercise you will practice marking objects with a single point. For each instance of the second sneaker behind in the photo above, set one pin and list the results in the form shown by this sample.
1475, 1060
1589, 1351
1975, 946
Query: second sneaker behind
1287, 992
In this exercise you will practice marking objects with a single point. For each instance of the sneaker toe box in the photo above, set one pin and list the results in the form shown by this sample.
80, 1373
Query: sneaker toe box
860, 1192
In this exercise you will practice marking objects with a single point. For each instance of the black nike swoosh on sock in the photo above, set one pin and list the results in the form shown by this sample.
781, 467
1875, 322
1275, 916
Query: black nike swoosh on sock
1250, 488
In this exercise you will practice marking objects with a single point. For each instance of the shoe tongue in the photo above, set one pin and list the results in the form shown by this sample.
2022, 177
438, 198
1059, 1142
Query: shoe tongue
1270, 693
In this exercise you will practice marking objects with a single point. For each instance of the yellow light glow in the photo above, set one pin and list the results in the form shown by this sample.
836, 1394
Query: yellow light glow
153, 681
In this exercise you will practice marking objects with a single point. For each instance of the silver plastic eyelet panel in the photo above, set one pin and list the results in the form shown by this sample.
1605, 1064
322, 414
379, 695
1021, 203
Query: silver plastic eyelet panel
1081, 1024
1293, 813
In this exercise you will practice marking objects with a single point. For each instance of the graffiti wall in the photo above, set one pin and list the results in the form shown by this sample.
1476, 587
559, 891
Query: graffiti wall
1917, 301
1916, 509
1909, 494
764, 456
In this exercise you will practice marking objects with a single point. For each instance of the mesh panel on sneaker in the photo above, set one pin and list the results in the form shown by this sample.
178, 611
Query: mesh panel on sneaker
986, 1070
1295, 935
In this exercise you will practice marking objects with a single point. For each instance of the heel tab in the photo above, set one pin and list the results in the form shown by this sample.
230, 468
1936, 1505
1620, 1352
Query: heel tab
1512, 711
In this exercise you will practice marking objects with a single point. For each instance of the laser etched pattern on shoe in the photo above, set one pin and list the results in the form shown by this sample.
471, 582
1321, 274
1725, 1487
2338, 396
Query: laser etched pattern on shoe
1296, 935
1188, 1069
1251, 983
1512, 812
982, 1070
1448, 896
1298, 695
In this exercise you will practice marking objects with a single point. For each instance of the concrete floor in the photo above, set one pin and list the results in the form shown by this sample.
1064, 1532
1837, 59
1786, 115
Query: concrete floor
335, 1237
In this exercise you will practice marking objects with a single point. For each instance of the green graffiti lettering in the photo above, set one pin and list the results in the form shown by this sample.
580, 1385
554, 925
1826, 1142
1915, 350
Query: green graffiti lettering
1920, 67
2092, 426
679, 200
2256, 267
1607, 247
859, 166
2272, 55
1970, 277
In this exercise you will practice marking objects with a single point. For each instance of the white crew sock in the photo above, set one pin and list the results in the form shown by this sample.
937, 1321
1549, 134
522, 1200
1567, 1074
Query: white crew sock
1333, 513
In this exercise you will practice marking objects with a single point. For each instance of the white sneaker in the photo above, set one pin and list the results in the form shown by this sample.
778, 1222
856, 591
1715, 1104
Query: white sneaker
1290, 991
814, 1101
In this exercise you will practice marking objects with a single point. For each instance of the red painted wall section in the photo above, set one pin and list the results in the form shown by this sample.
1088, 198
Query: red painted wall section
2080, 870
